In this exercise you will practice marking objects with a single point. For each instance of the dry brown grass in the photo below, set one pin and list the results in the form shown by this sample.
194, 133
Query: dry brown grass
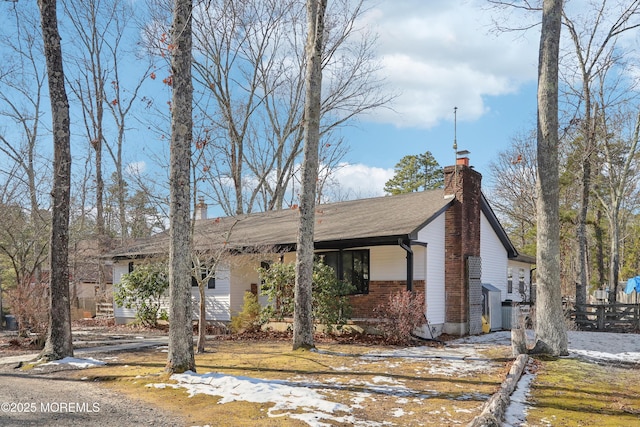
407, 395
570, 392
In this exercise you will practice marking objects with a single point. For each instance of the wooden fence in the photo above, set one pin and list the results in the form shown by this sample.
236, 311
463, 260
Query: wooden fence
104, 310
608, 317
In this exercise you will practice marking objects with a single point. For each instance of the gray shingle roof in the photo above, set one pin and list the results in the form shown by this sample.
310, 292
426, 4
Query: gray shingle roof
342, 224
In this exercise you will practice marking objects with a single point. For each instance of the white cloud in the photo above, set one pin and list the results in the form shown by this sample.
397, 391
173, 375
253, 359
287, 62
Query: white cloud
136, 168
360, 180
439, 54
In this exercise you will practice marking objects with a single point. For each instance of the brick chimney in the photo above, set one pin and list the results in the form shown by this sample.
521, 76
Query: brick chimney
201, 209
462, 241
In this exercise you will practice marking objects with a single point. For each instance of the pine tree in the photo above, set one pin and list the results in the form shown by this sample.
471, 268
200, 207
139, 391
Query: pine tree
415, 172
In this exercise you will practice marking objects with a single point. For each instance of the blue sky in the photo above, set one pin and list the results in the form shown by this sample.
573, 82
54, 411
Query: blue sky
434, 55
438, 55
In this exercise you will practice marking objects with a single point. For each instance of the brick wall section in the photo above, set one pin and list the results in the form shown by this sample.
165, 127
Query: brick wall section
462, 237
379, 291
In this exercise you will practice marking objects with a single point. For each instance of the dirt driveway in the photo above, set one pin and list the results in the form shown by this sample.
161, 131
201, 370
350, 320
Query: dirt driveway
53, 399
50, 397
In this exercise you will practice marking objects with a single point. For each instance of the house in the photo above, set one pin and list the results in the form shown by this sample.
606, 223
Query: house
446, 242
90, 277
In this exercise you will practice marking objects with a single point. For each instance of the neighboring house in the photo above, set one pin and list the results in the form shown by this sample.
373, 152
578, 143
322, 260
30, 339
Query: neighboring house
445, 242
87, 287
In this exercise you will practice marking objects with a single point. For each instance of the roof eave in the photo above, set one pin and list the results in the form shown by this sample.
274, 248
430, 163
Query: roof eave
497, 227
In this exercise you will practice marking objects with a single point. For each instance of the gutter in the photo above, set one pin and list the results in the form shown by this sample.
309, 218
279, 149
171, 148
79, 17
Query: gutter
407, 247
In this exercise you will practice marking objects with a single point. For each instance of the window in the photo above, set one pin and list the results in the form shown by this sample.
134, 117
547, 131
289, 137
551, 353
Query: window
509, 281
131, 266
521, 282
350, 266
204, 273
265, 265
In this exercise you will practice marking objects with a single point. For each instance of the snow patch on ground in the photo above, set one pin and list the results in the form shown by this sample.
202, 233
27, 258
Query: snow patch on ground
75, 362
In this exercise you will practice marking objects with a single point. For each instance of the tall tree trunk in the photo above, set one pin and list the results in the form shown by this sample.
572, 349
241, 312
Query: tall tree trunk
202, 319
59, 342
614, 262
303, 318
121, 189
599, 246
581, 232
100, 227
550, 327
588, 136
180, 357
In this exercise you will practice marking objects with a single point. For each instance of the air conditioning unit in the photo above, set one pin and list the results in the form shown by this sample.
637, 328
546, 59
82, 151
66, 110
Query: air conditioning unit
492, 306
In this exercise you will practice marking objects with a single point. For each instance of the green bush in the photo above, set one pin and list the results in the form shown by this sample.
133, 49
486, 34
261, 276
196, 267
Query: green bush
249, 317
142, 290
278, 283
330, 303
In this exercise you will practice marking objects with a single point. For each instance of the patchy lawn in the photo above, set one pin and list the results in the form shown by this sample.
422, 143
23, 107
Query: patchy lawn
571, 392
261, 382
264, 383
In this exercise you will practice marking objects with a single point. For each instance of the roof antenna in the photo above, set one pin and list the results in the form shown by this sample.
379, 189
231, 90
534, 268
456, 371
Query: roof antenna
455, 129
455, 147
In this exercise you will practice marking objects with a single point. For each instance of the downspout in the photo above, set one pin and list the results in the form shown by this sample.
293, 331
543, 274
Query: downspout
407, 247
532, 297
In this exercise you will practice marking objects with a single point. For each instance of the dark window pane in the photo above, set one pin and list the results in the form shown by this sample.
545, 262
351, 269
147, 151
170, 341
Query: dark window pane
360, 271
347, 267
350, 266
204, 272
331, 259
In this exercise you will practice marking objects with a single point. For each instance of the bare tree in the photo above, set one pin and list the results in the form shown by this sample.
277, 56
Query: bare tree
513, 194
206, 261
59, 343
24, 169
617, 187
22, 96
592, 57
121, 99
250, 75
180, 357
90, 32
594, 33
99, 30
302, 314
23, 249
551, 331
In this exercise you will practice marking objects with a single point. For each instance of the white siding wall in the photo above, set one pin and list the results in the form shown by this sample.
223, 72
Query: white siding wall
518, 268
217, 300
494, 258
419, 262
244, 273
121, 312
433, 266
390, 263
